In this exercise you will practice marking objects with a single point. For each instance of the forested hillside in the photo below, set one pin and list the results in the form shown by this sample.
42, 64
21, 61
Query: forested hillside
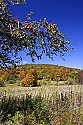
46, 72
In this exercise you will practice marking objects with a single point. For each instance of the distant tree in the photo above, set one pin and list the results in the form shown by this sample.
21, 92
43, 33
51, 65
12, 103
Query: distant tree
31, 78
30, 36
80, 77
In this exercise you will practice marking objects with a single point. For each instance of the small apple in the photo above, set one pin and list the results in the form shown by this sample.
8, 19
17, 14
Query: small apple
52, 26
26, 24
31, 27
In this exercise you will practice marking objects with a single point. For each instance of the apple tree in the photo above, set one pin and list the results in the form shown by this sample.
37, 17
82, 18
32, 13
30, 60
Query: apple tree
36, 38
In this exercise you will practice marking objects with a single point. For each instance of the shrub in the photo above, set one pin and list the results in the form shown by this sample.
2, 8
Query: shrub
22, 83
2, 84
6, 77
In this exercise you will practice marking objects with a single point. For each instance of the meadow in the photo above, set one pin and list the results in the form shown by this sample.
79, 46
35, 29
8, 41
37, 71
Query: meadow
45, 105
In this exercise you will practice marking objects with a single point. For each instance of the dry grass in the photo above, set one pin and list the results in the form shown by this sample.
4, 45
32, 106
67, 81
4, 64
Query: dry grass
12, 90
62, 104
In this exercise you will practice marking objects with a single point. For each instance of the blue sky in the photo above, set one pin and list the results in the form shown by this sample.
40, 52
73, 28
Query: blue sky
68, 15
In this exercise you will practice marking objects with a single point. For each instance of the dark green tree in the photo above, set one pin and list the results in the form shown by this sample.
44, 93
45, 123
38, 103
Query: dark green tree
30, 36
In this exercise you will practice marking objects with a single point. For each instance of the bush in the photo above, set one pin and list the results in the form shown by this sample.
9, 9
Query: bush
11, 81
2, 83
22, 83
6, 77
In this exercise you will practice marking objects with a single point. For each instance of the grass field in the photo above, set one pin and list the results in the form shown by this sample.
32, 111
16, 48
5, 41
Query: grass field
13, 90
45, 105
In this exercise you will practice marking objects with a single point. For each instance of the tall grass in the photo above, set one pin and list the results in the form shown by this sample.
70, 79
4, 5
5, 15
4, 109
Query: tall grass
42, 106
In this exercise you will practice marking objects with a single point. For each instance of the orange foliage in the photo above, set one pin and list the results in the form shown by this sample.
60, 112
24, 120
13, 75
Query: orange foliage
31, 78
22, 73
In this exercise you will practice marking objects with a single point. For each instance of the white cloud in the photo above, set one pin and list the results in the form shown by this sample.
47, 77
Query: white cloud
25, 62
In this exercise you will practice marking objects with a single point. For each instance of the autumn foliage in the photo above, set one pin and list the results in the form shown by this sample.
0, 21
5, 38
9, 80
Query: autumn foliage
27, 75
31, 78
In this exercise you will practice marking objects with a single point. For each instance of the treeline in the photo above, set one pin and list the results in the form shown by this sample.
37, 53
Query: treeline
29, 74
